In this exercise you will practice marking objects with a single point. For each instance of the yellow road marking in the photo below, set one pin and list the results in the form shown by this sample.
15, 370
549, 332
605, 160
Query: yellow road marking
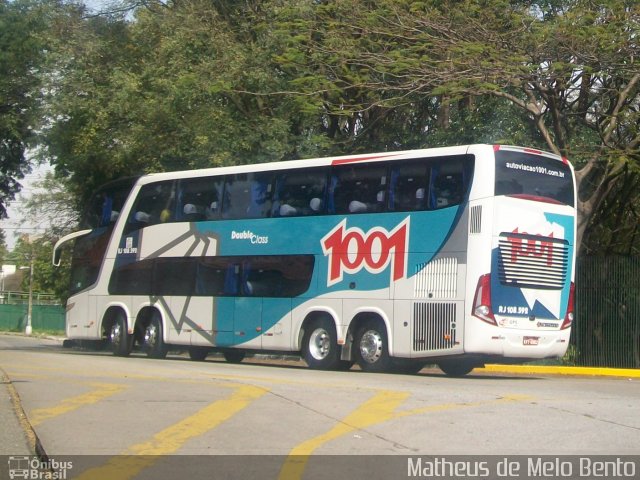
168, 441
560, 370
102, 391
380, 408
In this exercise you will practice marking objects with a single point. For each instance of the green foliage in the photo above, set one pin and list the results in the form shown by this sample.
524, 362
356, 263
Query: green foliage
181, 85
22, 23
3, 247
46, 277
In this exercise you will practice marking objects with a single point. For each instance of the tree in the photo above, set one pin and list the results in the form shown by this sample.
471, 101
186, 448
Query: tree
3, 247
52, 206
167, 91
569, 66
46, 277
22, 46
195, 84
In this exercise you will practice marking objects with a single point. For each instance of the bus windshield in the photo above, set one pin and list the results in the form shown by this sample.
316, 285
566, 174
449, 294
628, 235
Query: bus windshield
533, 177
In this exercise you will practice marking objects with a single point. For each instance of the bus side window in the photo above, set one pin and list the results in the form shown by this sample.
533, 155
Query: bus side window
447, 183
248, 195
211, 277
174, 276
409, 185
155, 204
358, 189
276, 276
199, 198
299, 192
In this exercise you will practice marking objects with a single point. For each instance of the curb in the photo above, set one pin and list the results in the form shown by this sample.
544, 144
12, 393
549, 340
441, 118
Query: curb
33, 443
559, 370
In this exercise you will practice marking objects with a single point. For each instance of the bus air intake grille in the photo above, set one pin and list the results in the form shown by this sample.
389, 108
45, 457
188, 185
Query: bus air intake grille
434, 326
532, 261
475, 219
437, 279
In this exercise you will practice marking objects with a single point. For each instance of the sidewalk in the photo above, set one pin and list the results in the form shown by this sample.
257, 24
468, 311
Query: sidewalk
16, 435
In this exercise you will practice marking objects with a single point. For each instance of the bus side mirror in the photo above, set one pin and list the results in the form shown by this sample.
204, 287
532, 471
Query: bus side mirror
57, 257
57, 252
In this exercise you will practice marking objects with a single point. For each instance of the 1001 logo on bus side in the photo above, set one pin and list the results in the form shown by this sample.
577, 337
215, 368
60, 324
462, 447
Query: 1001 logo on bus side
351, 249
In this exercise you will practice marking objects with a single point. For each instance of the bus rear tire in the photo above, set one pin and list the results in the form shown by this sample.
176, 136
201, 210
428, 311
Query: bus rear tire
320, 345
372, 347
234, 356
119, 338
153, 342
458, 368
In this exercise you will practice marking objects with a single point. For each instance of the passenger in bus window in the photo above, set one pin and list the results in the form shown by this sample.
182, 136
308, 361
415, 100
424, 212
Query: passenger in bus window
359, 189
193, 213
295, 193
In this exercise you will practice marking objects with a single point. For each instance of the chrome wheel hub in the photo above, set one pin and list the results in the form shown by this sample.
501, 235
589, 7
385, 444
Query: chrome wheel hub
371, 345
319, 344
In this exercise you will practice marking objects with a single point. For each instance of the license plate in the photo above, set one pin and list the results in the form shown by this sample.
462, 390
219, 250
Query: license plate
530, 340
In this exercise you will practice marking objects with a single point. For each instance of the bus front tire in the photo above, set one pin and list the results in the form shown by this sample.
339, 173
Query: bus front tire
372, 347
458, 368
121, 341
153, 342
407, 366
320, 345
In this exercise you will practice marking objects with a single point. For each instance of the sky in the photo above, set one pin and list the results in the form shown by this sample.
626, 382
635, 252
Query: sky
15, 225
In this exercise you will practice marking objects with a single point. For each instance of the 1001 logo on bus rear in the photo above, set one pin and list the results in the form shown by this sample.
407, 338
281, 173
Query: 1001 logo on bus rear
351, 249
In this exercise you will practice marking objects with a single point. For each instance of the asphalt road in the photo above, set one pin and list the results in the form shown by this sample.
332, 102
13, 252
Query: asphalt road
123, 417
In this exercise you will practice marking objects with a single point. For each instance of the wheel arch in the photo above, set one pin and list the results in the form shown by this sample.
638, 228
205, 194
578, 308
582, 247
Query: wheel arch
110, 315
143, 318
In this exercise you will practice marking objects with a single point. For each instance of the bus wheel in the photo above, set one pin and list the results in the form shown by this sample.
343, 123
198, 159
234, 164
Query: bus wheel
456, 368
198, 354
234, 356
153, 342
407, 366
121, 341
320, 345
372, 350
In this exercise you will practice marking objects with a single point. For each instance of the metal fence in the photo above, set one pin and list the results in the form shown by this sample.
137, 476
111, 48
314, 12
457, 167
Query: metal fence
49, 318
20, 298
607, 328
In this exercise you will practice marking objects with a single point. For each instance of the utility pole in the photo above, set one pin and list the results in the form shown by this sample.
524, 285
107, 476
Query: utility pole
28, 328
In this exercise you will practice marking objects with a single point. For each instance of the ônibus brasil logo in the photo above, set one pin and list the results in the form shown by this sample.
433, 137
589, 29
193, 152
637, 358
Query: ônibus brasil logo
350, 250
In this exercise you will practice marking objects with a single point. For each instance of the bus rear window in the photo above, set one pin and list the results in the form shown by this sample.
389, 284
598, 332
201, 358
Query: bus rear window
534, 177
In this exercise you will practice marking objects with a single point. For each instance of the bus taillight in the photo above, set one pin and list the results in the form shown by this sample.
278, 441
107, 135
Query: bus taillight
568, 318
482, 300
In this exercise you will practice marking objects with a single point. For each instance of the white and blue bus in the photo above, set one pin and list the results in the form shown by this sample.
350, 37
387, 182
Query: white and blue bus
451, 256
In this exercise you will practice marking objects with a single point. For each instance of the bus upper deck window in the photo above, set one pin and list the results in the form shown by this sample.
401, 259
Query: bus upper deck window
299, 192
359, 189
155, 204
199, 198
409, 183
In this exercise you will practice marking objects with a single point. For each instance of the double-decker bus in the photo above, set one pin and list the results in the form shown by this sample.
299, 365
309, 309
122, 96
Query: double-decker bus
452, 256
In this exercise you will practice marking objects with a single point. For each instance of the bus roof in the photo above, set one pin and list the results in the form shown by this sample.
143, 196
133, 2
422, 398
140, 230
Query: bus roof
337, 160
306, 163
